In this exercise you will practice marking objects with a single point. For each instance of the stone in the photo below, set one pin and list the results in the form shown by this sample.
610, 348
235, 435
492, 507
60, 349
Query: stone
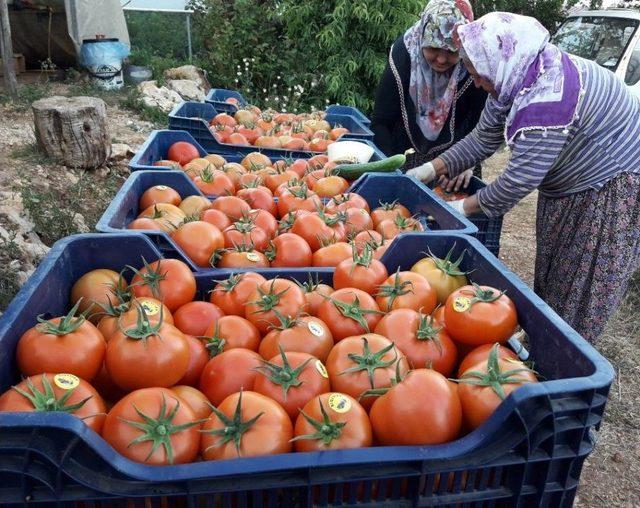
162, 97
188, 89
190, 72
120, 151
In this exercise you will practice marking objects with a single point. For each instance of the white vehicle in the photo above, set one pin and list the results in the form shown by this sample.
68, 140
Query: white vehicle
610, 38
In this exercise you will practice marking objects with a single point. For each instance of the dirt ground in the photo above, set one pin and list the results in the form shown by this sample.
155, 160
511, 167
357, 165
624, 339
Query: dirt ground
610, 477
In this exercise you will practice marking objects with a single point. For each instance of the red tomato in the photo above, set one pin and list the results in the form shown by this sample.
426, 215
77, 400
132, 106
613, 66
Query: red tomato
332, 254
246, 424
332, 421
343, 202
215, 218
259, 198
198, 358
357, 221
245, 233
315, 292
360, 271
392, 228
481, 354
169, 280
303, 334
370, 236
266, 221
232, 206
154, 310
64, 344
330, 186
159, 194
194, 318
223, 119
136, 436
428, 406
232, 294
96, 289
364, 362
182, 152
195, 399
199, 240
349, 312
420, 340
289, 250
298, 198
318, 229
228, 373
389, 211
57, 392
255, 160
292, 379
408, 290
231, 332
273, 297
299, 166
478, 315
214, 183
145, 223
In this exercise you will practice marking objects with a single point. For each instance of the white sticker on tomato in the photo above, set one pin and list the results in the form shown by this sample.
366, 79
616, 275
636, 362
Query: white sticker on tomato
322, 369
339, 403
66, 381
253, 256
316, 328
461, 304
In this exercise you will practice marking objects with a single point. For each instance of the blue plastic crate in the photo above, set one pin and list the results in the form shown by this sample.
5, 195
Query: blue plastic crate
529, 453
217, 97
194, 117
412, 194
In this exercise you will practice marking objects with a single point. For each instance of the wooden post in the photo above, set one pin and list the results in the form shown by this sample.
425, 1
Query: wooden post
10, 81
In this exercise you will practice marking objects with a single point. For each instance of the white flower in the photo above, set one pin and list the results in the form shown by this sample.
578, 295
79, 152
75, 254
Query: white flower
297, 94
239, 73
274, 85
289, 89
276, 99
264, 90
244, 59
301, 89
237, 66
327, 101
253, 59
237, 80
284, 110
295, 110
279, 77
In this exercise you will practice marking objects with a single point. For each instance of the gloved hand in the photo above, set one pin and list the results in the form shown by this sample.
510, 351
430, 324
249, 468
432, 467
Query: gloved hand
424, 173
459, 182
458, 206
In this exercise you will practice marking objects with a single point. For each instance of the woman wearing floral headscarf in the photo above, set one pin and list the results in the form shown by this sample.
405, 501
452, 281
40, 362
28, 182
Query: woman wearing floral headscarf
426, 100
574, 133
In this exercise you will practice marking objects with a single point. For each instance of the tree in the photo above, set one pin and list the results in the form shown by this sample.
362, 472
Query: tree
7, 50
549, 12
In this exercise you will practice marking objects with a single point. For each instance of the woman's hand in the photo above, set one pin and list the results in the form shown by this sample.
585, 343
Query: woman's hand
459, 182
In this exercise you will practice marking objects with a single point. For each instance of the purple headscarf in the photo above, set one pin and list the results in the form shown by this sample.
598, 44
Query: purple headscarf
534, 79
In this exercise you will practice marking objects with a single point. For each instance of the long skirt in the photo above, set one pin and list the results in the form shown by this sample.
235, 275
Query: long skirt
588, 247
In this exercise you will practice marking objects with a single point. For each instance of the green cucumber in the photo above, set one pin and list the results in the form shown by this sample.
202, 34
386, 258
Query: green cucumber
353, 171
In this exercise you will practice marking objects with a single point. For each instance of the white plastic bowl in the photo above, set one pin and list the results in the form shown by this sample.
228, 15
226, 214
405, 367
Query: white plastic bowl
349, 151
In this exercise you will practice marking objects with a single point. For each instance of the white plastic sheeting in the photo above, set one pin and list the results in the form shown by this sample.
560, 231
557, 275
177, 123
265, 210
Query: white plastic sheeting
87, 19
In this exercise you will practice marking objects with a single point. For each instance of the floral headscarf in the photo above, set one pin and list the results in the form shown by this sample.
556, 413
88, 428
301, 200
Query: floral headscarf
433, 92
534, 79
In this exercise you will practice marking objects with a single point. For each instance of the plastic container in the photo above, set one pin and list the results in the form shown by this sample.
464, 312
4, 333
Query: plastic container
157, 145
529, 453
103, 59
217, 98
194, 117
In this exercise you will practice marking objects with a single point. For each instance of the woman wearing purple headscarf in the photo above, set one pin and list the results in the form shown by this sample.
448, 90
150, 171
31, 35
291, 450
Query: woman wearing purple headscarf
426, 100
574, 133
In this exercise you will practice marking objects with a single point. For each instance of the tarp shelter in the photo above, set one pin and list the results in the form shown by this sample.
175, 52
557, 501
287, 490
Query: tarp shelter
55, 29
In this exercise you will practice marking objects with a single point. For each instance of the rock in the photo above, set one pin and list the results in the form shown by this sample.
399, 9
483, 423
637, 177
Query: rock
188, 89
162, 98
618, 457
190, 72
79, 222
19, 230
120, 151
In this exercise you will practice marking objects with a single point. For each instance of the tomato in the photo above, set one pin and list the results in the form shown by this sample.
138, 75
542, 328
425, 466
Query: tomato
57, 392
319, 145
194, 318
167, 164
244, 232
169, 280
145, 223
364, 362
64, 344
266, 221
193, 206
195, 399
97, 288
223, 119
318, 229
232, 206
299, 167
289, 250
343, 202
332, 254
449, 196
250, 133
214, 183
349, 312
313, 177
406, 290
273, 297
199, 240
198, 358
106, 387
153, 426
228, 373
268, 142
420, 339
246, 424
370, 236
241, 256
159, 194
318, 161
444, 275
391, 228
255, 160
232, 294
292, 379
423, 409
231, 332
168, 216
332, 421
298, 198
235, 172
215, 218
245, 117
389, 211
182, 152
303, 334
357, 220
146, 355
259, 198
438, 315
154, 310
217, 160
481, 354
360, 271
478, 315
330, 186
314, 292
484, 386
337, 132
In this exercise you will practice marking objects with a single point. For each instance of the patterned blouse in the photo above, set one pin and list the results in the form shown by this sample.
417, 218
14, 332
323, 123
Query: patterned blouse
602, 142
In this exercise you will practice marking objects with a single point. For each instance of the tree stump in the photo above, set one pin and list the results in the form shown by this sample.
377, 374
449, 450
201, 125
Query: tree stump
73, 130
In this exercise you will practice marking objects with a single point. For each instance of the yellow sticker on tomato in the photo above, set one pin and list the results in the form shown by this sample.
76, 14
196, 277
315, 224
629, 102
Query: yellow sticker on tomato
150, 308
161, 187
461, 304
322, 369
66, 381
339, 403
315, 328
252, 256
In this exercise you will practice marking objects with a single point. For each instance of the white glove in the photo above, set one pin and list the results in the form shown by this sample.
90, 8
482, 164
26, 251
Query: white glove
424, 173
458, 206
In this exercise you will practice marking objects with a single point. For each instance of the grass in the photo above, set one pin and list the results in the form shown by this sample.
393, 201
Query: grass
9, 251
133, 102
31, 153
27, 95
